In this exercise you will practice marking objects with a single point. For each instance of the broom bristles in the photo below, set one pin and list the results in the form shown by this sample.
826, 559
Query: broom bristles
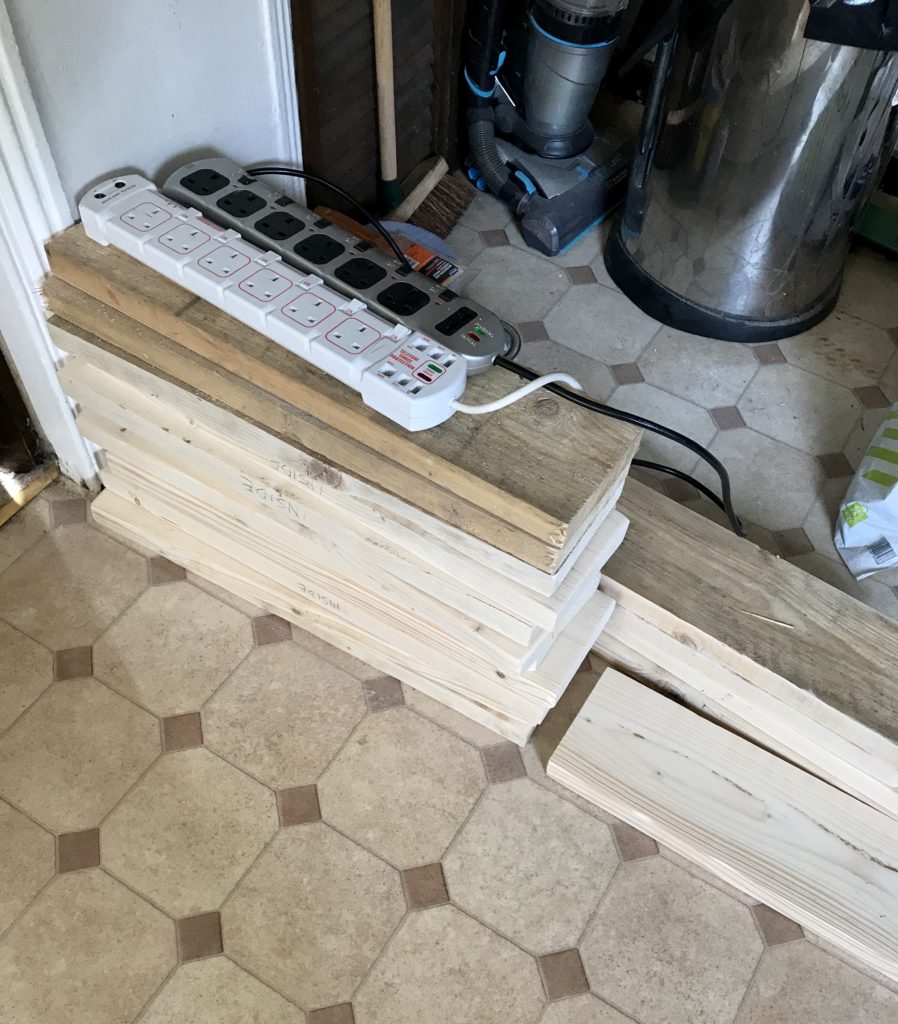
444, 205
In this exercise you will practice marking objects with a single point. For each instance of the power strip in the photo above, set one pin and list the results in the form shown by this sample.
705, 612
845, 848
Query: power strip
403, 374
227, 193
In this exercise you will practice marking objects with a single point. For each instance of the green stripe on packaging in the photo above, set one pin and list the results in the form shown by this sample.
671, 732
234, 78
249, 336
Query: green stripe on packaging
893, 415
878, 477
886, 454
891, 433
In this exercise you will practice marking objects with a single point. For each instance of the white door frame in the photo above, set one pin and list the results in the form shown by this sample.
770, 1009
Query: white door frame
33, 206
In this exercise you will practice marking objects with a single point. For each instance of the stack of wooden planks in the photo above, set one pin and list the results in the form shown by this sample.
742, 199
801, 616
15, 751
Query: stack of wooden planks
462, 560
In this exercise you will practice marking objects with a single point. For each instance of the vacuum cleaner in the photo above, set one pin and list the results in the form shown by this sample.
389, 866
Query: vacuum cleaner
533, 70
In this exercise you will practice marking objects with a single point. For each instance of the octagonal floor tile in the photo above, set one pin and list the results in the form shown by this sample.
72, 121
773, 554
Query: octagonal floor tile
843, 349
445, 968
23, 531
217, 991
26, 670
550, 357
312, 915
172, 648
70, 586
516, 285
485, 213
800, 408
402, 787
869, 290
283, 715
188, 831
88, 951
586, 1009
27, 861
799, 982
669, 949
75, 753
601, 323
531, 865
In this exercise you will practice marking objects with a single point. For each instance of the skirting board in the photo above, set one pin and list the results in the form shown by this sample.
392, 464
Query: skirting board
784, 837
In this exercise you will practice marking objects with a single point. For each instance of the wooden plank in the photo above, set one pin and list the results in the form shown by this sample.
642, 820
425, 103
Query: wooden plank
541, 464
15, 493
761, 617
288, 437
782, 718
784, 837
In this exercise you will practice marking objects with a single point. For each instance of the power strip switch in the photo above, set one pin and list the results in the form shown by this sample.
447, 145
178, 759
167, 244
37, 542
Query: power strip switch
405, 375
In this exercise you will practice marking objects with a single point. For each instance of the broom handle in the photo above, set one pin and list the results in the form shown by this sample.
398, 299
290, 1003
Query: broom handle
386, 105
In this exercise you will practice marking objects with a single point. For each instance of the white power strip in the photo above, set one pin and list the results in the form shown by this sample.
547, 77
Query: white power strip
404, 375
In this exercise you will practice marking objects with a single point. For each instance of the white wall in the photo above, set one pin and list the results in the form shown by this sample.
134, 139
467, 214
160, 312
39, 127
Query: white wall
147, 84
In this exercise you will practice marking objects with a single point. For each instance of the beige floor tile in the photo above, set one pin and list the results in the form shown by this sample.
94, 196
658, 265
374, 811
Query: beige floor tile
773, 485
312, 915
220, 594
70, 586
459, 725
26, 670
798, 982
485, 213
172, 648
800, 409
73, 755
601, 323
535, 764
550, 357
690, 419
27, 862
586, 1009
23, 531
710, 373
217, 991
283, 715
350, 665
855, 448
465, 245
516, 285
445, 968
889, 379
669, 949
869, 290
88, 951
530, 865
843, 349
188, 831
402, 787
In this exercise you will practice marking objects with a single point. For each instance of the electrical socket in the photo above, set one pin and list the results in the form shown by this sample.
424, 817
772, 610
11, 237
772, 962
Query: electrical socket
241, 203
279, 226
360, 273
262, 292
145, 216
204, 181
319, 249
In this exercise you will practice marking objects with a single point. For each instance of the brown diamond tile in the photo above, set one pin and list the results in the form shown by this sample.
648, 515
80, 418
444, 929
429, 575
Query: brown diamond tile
182, 731
563, 974
425, 886
494, 238
533, 330
74, 663
299, 806
339, 1014
199, 936
270, 629
627, 373
766, 355
793, 542
503, 762
872, 397
893, 334
727, 417
68, 511
383, 693
77, 850
775, 928
835, 465
633, 844
162, 570
581, 275
679, 490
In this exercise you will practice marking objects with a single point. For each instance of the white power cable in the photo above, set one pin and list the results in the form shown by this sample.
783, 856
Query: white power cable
518, 394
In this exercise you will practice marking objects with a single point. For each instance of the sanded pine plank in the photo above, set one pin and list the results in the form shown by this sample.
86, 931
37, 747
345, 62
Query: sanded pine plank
16, 492
578, 456
797, 844
282, 479
783, 719
135, 525
464, 527
762, 617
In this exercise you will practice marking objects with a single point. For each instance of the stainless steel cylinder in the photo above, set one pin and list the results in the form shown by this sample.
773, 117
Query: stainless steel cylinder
763, 148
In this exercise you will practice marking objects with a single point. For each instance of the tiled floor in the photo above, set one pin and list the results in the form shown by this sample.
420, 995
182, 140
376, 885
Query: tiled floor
790, 420
207, 817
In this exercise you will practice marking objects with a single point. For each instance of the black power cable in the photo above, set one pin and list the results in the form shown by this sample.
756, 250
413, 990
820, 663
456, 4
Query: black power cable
724, 502
292, 172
